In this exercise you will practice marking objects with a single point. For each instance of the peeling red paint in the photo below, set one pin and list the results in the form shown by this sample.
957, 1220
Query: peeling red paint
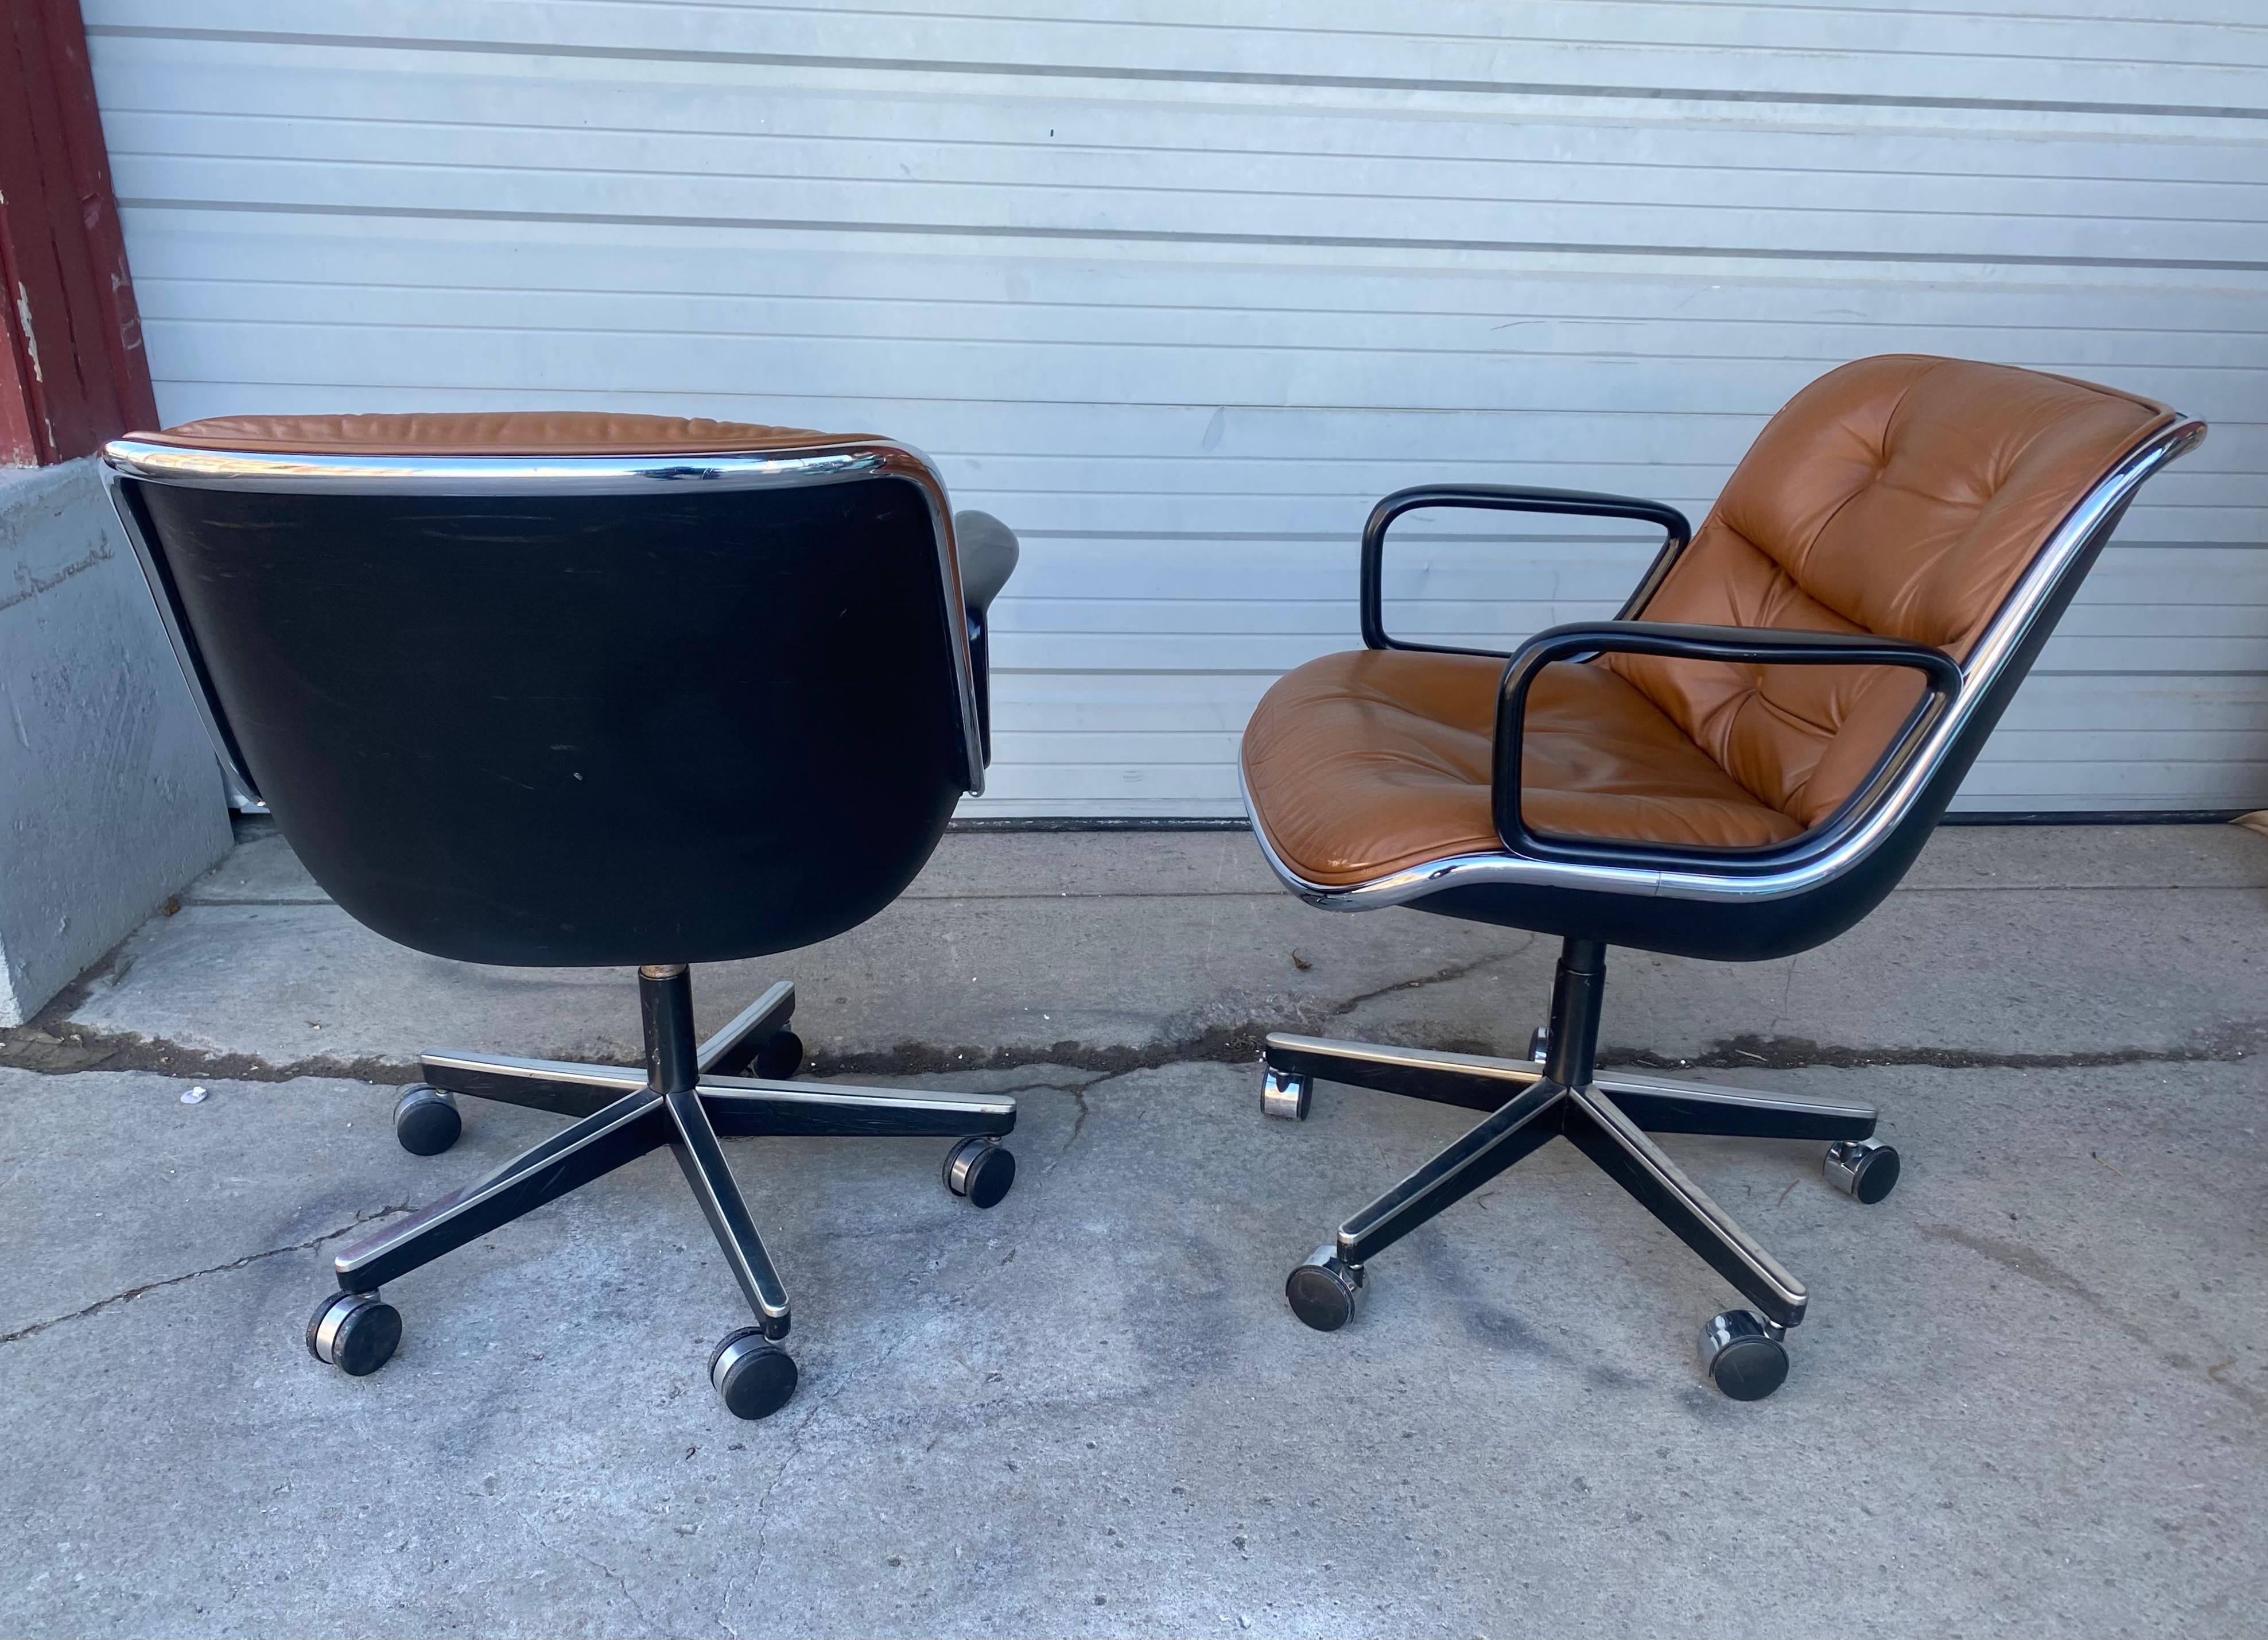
73, 371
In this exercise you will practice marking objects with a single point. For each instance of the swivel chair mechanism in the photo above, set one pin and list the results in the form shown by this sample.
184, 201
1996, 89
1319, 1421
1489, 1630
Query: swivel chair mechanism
1739, 765
586, 690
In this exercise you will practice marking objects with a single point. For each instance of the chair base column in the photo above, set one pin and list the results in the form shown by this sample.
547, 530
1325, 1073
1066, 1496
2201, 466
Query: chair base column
684, 1099
1608, 1116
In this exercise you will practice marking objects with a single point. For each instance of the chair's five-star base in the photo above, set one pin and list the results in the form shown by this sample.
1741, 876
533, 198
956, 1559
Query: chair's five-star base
1556, 1094
686, 1097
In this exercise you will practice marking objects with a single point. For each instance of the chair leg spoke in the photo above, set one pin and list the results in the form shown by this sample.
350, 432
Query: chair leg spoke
1467, 1079
560, 1086
734, 1048
591, 1149
1639, 1166
1521, 1126
701, 1159
1656, 1105
746, 1107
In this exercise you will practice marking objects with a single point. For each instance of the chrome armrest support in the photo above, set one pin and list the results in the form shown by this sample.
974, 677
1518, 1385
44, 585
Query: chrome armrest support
1751, 646
1506, 498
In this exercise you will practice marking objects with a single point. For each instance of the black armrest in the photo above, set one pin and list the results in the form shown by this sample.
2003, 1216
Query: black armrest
1501, 499
1755, 646
988, 554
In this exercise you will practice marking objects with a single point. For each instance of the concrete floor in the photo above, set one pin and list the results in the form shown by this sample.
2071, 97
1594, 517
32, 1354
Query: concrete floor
2032, 1398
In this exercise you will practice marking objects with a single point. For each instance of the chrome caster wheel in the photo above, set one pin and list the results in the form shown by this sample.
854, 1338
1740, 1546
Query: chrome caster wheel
1322, 1290
425, 1120
1743, 1355
355, 1332
780, 1056
754, 1377
1539, 1044
1284, 1094
981, 1170
1864, 1168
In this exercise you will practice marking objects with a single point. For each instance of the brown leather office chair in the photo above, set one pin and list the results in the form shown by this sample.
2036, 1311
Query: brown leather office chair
1740, 765
576, 688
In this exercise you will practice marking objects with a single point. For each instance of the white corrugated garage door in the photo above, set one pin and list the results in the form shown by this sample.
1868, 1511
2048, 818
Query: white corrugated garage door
1179, 287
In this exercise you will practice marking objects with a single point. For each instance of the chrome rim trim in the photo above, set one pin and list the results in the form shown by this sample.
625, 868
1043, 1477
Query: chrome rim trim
1720, 1332
413, 474
1846, 1159
598, 1077
1400, 887
2002, 638
242, 793
568, 475
965, 1158
837, 1094
730, 1355
1284, 1094
1518, 1075
327, 1334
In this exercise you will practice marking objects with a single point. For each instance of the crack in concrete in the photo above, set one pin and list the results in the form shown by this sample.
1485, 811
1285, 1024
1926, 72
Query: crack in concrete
797, 1437
795, 1444
132, 1293
1079, 1098
1078, 1092
46, 1053
62, 1049
1786, 992
2018, 1258
1454, 971
604, 1570
1762, 1052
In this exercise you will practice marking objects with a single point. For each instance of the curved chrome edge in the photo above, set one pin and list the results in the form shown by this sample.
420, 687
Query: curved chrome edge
243, 795
1457, 871
284, 473
2009, 628
411, 473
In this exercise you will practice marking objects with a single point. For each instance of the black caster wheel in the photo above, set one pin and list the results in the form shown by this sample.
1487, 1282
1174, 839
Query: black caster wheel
1539, 1044
425, 1120
1743, 1355
780, 1056
353, 1332
1284, 1094
754, 1377
1866, 1170
1322, 1290
981, 1170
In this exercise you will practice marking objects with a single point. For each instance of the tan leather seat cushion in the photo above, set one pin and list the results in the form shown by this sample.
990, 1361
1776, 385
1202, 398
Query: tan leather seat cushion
1374, 760
491, 432
1900, 496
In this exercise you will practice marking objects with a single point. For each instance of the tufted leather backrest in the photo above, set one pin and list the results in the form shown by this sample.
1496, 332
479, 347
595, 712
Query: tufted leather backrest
1902, 496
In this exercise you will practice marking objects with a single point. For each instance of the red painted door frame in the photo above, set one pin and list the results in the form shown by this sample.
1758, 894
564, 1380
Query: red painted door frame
72, 373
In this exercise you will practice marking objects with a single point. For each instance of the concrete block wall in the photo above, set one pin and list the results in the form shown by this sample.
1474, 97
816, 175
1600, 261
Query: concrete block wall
110, 797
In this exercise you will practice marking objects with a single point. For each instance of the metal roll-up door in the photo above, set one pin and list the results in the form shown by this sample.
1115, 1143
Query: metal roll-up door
1178, 288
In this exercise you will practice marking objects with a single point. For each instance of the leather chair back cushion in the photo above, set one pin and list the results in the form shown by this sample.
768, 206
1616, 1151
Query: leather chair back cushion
1902, 496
